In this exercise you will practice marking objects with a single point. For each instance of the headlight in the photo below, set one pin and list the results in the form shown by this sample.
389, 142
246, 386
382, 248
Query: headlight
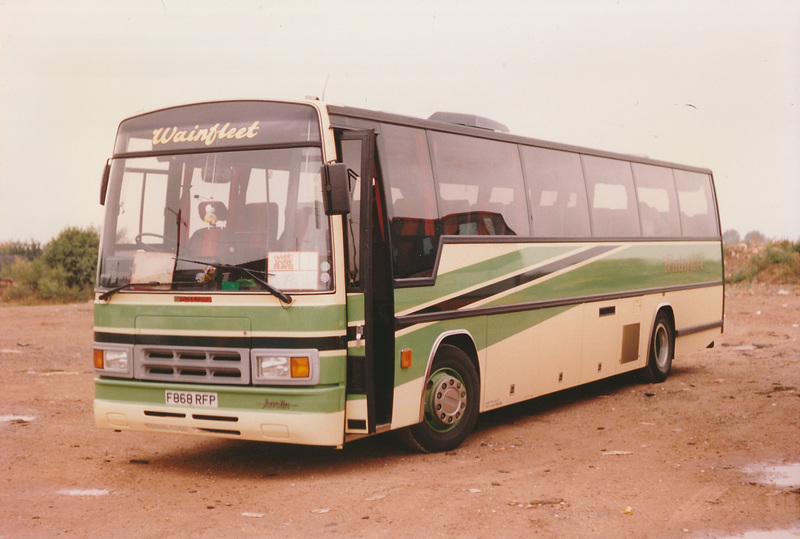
289, 367
114, 360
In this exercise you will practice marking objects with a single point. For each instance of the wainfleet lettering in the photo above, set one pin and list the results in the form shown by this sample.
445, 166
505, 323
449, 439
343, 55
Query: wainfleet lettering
683, 265
206, 135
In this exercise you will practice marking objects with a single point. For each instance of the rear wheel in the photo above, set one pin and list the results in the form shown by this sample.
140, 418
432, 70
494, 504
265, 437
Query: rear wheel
661, 351
450, 405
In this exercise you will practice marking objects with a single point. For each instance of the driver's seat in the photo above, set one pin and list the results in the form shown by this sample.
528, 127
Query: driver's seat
206, 241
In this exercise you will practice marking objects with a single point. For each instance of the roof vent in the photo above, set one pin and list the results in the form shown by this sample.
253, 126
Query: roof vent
470, 120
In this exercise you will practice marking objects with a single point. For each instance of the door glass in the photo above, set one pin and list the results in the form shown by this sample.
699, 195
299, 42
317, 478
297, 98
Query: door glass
351, 156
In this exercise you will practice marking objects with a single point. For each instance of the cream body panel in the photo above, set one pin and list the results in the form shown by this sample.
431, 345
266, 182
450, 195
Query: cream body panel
299, 428
539, 360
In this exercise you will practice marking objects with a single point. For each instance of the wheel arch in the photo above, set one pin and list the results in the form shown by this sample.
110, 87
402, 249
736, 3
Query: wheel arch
464, 342
459, 338
667, 309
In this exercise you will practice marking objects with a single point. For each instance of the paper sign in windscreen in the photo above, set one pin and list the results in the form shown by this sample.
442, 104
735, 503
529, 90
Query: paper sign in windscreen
152, 267
294, 270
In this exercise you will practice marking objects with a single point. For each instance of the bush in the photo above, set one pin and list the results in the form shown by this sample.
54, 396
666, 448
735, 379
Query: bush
63, 272
75, 252
35, 281
777, 262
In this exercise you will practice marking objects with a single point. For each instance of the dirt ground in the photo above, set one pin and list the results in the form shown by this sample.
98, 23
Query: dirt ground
687, 458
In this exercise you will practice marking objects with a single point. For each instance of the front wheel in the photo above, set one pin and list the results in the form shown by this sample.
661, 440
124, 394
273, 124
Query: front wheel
450, 405
661, 351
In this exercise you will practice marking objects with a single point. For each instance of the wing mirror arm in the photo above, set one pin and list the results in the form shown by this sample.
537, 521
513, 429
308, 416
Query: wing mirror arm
104, 182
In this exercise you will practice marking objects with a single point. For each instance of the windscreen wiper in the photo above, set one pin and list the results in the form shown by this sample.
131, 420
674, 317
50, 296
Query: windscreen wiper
253, 274
108, 293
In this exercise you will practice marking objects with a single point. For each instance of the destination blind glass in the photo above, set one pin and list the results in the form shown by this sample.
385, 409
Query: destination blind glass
219, 125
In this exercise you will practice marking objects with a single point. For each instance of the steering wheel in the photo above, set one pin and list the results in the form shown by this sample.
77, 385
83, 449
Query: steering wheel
148, 246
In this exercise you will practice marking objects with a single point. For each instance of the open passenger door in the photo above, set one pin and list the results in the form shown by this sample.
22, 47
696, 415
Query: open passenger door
370, 308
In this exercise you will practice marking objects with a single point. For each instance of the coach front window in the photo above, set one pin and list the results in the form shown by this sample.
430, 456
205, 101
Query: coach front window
221, 221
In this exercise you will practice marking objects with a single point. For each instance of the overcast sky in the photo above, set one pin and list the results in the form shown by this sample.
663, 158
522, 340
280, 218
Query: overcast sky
709, 83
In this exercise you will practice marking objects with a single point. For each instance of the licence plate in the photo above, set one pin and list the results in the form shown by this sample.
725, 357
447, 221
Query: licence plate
191, 398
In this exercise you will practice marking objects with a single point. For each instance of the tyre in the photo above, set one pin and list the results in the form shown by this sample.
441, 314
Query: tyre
450, 405
661, 350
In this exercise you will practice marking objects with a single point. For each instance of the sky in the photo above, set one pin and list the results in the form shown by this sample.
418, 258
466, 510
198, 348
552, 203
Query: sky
710, 83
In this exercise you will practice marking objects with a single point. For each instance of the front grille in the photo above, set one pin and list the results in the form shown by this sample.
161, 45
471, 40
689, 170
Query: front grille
193, 365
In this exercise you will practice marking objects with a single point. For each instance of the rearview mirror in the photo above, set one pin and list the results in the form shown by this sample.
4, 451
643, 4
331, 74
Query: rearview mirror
335, 191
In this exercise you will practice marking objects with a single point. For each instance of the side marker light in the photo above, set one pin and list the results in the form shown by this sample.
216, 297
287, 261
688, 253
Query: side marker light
405, 358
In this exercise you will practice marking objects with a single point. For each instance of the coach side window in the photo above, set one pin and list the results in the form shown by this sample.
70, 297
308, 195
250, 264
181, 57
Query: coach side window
609, 184
480, 186
411, 200
698, 218
658, 203
557, 193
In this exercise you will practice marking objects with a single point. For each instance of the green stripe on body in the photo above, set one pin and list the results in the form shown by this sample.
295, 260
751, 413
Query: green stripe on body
479, 273
204, 317
635, 267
